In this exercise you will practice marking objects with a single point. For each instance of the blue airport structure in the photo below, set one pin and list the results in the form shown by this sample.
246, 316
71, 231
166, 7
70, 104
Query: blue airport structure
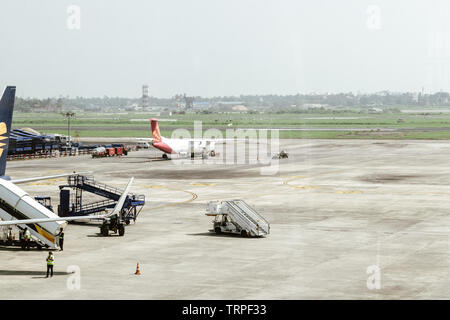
24, 142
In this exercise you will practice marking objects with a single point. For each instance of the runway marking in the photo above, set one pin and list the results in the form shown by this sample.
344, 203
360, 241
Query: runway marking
155, 186
349, 192
193, 194
387, 233
203, 184
297, 187
48, 182
293, 177
304, 187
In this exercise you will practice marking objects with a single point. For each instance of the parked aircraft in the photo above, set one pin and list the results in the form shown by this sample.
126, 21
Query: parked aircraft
181, 147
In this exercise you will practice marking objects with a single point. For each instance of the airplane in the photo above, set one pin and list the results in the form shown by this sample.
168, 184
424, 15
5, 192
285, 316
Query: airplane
16, 206
181, 147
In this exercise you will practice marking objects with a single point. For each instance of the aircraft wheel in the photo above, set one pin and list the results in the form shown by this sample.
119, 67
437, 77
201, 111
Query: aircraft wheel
213, 153
165, 157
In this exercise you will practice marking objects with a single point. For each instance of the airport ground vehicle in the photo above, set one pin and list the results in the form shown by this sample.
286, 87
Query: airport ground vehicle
88, 147
109, 151
102, 152
281, 155
114, 224
45, 201
236, 216
62, 140
99, 152
143, 145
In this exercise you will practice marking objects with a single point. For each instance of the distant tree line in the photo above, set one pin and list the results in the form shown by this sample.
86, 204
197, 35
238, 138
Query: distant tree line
34, 105
282, 102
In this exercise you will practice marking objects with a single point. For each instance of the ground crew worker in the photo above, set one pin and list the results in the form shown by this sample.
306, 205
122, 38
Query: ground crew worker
50, 263
21, 239
10, 235
27, 237
61, 239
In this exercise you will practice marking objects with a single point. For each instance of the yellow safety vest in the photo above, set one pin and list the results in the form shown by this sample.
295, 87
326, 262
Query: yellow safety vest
50, 261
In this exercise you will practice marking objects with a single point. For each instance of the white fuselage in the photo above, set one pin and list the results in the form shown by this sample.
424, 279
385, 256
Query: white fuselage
185, 147
17, 204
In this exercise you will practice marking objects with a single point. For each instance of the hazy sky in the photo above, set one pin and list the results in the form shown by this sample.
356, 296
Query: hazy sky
228, 47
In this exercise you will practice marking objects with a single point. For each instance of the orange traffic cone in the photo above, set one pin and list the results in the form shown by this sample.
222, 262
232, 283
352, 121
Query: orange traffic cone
138, 272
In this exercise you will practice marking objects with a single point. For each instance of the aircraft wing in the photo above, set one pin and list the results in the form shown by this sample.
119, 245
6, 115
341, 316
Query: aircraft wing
122, 199
30, 221
18, 181
116, 210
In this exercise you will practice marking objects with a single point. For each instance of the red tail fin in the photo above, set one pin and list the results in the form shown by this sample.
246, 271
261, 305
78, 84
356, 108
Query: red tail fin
155, 130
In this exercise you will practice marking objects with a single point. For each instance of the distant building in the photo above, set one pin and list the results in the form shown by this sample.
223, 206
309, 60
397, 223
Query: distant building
375, 110
239, 107
166, 113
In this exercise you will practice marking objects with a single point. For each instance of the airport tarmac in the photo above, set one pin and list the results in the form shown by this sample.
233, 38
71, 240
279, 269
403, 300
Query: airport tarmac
338, 210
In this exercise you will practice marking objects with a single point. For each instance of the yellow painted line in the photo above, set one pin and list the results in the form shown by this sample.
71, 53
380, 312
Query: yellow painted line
155, 186
47, 182
203, 184
304, 187
293, 177
349, 192
194, 196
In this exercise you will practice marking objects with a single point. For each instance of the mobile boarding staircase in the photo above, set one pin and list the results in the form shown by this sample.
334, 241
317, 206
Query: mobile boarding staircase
80, 183
243, 216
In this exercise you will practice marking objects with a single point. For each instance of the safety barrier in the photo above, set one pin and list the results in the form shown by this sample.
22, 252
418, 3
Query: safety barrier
55, 154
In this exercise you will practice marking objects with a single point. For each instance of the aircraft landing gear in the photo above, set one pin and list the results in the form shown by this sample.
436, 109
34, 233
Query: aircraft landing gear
114, 225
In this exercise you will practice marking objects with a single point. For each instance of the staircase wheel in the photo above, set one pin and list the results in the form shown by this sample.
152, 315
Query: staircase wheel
218, 230
244, 233
121, 228
104, 230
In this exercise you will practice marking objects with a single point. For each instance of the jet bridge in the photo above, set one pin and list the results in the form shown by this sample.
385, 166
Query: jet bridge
15, 203
237, 217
